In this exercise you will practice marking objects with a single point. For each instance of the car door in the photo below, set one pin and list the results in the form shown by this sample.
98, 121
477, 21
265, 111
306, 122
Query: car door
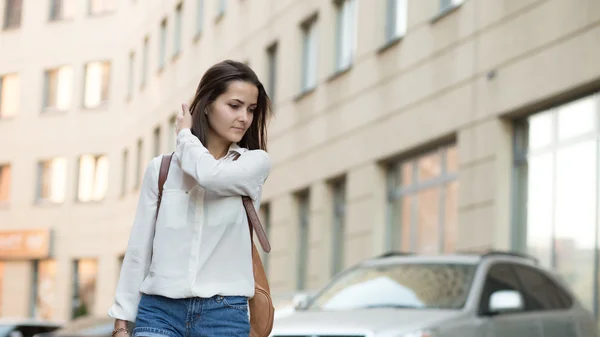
552, 303
501, 276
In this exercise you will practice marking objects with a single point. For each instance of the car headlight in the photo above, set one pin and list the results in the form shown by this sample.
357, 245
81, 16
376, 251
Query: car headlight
418, 333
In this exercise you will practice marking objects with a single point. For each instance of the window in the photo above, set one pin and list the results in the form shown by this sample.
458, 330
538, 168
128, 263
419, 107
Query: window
221, 6
345, 37
556, 168
58, 88
44, 290
145, 55
309, 55
396, 18
5, 179
303, 227
410, 286
423, 194
339, 220
12, 13
172, 137
52, 175
131, 75
162, 47
62, 9
93, 178
499, 277
265, 220
124, 172
272, 68
138, 164
541, 293
156, 134
199, 16
85, 274
99, 7
177, 30
10, 95
97, 78
449, 4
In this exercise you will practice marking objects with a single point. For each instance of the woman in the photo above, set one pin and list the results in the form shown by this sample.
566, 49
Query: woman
187, 270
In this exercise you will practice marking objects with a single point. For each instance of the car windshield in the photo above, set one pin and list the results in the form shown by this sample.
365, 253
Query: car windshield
407, 285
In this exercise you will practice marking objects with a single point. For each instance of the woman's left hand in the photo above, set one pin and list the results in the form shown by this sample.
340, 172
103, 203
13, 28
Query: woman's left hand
184, 119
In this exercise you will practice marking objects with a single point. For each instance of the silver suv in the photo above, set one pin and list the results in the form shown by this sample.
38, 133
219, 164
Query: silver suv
495, 294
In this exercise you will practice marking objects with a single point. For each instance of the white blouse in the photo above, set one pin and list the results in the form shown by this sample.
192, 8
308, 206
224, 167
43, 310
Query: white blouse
199, 246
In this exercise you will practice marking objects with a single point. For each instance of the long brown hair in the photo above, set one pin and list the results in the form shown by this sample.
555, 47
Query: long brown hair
214, 82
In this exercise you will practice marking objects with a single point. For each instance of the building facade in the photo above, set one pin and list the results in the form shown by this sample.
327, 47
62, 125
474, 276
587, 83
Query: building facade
430, 126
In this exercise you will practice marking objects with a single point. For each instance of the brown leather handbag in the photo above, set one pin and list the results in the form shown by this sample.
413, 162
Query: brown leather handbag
262, 311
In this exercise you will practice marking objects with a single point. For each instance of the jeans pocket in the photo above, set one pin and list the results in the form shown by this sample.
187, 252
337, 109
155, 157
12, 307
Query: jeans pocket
236, 302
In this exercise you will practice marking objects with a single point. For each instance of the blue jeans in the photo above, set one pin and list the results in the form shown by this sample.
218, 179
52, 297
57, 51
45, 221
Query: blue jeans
160, 316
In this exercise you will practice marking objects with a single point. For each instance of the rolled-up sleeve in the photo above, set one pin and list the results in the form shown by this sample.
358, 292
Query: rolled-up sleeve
138, 255
244, 176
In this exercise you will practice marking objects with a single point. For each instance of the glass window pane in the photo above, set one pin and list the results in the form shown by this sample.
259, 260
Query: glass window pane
101, 178
452, 159
428, 221
93, 84
87, 165
500, 277
451, 217
199, 15
405, 209
85, 281
46, 290
10, 95
539, 206
401, 17
540, 130
406, 173
575, 216
63, 88
577, 118
5, 178
429, 166
58, 180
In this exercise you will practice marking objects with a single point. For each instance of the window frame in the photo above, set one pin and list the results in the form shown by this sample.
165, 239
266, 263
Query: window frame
272, 67
103, 11
178, 30
346, 23
17, 78
338, 229
45, 107
13, 16
303, 250
520, 180
103, 100
40, 173
4, 168
310, 55
395, 192
392, 21
96, 158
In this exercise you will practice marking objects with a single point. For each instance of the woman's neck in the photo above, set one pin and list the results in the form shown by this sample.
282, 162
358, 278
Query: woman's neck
217, 146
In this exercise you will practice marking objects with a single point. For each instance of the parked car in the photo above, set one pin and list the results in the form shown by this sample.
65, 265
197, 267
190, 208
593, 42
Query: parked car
86, 326
24, 327
495, 294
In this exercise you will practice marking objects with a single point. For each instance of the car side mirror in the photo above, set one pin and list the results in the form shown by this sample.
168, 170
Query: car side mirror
504, 301
300, 301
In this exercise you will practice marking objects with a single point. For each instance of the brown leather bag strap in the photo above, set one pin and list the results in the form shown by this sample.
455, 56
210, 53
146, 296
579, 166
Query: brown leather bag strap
165, 164
254, 221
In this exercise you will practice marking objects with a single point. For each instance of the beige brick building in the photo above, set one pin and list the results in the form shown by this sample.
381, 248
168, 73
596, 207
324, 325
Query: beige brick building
418, 125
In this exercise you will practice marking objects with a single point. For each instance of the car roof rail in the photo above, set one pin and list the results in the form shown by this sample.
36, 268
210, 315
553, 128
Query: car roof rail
392, 254
493, 253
